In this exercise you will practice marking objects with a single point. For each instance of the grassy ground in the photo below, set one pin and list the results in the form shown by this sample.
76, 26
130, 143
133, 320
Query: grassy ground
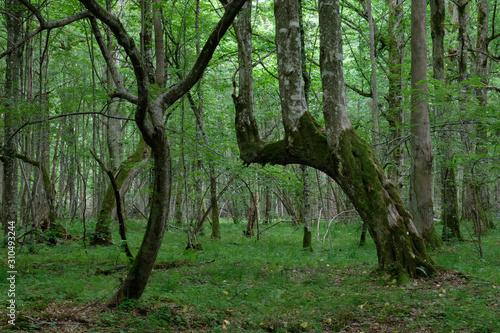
239, 284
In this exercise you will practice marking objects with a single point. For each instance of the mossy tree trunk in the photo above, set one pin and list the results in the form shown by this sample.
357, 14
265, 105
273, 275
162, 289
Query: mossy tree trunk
338, 151
394, 113
124, 176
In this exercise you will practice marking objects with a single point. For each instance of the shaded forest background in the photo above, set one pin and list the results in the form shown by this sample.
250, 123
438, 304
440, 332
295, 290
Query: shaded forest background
154, 103
65, 110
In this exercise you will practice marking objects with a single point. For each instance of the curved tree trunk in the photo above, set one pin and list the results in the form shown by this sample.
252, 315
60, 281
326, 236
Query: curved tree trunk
138, 276
124, 176
339, 152
149, 116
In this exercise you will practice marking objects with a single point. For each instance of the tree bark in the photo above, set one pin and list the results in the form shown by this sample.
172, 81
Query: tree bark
305, 207
338, 151
13, 18
394, 114
113, 130
124, 176
305, 214
482, 42
421, 204
449, 197
373, 81
214, 206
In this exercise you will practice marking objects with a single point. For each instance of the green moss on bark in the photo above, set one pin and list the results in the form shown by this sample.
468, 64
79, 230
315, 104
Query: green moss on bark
102, 234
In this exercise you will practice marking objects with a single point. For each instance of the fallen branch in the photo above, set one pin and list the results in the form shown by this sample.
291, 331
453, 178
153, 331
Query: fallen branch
260, 233
159, 265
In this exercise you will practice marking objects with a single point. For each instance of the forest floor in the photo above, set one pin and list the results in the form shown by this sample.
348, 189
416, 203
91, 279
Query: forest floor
240, 284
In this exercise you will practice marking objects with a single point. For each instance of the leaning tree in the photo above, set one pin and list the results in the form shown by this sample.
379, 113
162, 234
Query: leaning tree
335, 149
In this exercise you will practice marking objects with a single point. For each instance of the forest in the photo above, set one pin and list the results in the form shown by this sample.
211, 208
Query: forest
260, 166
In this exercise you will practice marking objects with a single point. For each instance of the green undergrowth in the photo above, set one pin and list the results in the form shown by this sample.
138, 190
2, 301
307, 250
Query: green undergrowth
241, 284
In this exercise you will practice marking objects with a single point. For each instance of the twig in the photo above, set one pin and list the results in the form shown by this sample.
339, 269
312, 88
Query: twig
331, 221
271, 226
97, 301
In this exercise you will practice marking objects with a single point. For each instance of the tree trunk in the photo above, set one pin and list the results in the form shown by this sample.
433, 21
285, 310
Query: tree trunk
482, 42
394, 114
471, 202
13, 18
138, 276
305, 213
449, 197
373, 81
214, 206
421, 149
305, 205
113, 132
124, 176
149, 116
340, 153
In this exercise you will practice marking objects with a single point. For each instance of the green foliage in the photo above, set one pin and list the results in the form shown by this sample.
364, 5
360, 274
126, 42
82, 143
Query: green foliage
270, 285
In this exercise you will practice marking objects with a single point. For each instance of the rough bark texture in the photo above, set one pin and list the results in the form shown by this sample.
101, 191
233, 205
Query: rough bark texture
421, 149
340, 153
394, 114
12, 88
482, 42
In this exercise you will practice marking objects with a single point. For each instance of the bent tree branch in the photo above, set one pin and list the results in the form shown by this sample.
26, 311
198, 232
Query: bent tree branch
149, 116
336, 150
